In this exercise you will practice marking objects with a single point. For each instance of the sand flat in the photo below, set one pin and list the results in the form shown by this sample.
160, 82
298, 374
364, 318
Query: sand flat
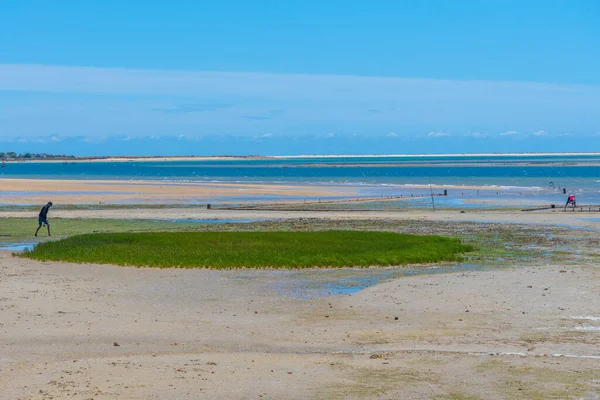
91, 191
39, 191
187, 334
588, 220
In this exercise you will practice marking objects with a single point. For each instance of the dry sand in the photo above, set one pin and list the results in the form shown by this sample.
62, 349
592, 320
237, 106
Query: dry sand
528, 332
105, 332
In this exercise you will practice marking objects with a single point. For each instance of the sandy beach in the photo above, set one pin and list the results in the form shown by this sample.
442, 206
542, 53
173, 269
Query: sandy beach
104, 332
518, 330
69, 192
296, 200
431, 155
144, 159
589, 220
39, 191
292, 157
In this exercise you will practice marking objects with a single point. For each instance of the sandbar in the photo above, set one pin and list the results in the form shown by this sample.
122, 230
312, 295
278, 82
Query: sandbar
79, 191
39, 191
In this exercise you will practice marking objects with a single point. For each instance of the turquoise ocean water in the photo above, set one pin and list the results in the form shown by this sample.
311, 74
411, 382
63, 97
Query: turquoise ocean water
503, 178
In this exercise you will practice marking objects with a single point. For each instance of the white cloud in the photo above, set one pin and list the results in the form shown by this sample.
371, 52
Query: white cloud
438, 134
125, 100
516, 133
392, 134
330, 135
40, 139
477, 135
95, 140
64, 79
124, 138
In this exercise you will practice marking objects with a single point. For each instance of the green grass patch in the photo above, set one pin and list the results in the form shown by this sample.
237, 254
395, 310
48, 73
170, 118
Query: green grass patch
252, 249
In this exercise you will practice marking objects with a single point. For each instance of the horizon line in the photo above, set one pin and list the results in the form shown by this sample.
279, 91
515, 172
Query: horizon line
380, 155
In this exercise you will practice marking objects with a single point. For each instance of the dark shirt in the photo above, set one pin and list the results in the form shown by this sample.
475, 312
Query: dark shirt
44, 211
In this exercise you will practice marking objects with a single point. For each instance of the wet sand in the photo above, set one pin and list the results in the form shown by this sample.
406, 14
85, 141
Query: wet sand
521, 331
40, 191
72, 192
105, 332
590, 220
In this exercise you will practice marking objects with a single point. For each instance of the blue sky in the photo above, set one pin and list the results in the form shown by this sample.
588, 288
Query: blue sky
289, 77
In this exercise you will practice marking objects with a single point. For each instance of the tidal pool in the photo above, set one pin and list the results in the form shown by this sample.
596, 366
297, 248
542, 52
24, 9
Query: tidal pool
214, 221
312, 284
17, 246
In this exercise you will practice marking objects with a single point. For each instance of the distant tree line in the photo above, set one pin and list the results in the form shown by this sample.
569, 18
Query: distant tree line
11, 155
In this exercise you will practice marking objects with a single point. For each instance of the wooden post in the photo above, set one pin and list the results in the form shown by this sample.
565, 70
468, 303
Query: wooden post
432, 202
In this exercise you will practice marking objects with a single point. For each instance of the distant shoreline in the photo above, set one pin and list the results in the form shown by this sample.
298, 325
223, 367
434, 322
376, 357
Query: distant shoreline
286, 157
440, 155
138, 159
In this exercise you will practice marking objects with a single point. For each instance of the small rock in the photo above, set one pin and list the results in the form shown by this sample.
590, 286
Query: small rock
116, 344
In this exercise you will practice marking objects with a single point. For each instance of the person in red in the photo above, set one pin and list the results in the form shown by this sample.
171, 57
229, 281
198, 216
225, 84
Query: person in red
571, 200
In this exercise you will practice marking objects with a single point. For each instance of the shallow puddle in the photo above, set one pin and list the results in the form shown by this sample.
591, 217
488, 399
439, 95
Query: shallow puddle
311, 284
214, 221
592, 219
18, 246
581, 228
587, 328
586, 317
307, 285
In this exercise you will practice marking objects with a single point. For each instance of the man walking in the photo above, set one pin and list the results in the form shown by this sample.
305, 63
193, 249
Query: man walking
43, 218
